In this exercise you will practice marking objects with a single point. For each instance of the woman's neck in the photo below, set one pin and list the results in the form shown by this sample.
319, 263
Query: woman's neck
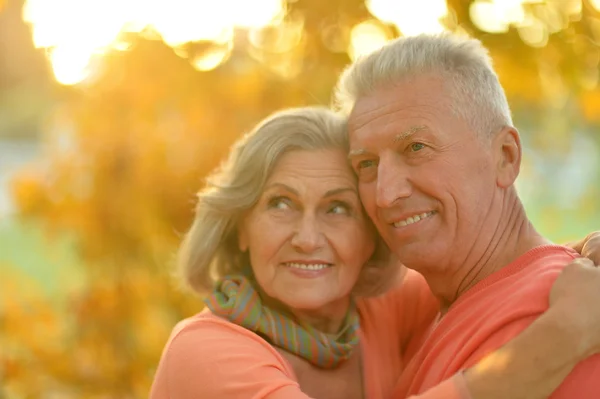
328, 319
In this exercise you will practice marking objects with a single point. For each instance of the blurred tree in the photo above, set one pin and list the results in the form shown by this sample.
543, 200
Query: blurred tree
25, 82
127, 149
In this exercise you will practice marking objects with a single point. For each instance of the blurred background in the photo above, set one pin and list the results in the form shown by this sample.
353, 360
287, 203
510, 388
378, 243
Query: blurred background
113, 111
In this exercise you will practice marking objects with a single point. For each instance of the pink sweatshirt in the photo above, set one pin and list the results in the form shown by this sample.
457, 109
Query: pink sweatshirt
489, 315
209, 357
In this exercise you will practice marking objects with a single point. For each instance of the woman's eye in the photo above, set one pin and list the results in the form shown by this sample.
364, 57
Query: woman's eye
279, 203
414, 147
339, 209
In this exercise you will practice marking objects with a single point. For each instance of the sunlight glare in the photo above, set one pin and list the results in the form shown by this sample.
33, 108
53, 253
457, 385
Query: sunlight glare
70, 65
212, 58
255, 13
365, 38
410, 16
496, 16
73, 30
185, 21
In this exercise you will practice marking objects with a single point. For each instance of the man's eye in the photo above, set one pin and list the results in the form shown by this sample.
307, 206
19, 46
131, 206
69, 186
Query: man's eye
367, 163
414, 147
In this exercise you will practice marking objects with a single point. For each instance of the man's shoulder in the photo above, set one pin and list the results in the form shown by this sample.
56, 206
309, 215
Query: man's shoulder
502, 307
532, 274
583, 382
544, 262
548, 257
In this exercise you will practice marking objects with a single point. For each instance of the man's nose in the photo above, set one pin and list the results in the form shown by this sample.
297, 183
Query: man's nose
393, 181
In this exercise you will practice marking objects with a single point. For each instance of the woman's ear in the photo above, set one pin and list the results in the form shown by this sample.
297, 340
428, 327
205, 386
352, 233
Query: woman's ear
242, 238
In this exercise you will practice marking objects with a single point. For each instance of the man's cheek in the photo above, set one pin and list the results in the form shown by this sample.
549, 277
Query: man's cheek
369, 203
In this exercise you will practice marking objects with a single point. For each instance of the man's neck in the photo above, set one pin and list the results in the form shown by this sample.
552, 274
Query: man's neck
513, 237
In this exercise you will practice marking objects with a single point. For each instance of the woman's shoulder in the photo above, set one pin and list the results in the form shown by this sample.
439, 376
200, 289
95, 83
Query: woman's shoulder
206, 323
205, 327
205, 354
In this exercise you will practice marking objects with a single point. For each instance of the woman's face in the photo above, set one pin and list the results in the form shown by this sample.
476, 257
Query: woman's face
307, 236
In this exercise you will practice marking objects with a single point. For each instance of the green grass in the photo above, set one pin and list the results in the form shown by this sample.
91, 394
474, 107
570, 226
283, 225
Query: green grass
50, 262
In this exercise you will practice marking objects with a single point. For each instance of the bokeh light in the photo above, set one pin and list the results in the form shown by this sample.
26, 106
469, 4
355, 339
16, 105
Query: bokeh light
497, 16
411, 17
78, 30
213, 57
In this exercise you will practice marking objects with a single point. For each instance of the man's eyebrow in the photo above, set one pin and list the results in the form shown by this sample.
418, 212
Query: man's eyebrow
355, 153
409, 132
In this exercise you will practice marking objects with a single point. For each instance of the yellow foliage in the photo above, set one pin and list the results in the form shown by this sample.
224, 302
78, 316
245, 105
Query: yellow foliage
590, 105
125, 153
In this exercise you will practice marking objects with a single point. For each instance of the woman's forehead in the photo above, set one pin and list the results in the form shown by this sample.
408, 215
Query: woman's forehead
313, 167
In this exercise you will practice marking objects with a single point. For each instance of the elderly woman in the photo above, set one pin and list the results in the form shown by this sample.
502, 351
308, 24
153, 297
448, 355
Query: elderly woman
285, 258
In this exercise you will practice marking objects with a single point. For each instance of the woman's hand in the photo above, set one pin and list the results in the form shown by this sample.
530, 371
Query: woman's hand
575, 299
589, 247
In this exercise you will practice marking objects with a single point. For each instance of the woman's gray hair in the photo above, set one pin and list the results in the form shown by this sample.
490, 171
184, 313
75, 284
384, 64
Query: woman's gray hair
210, 248
463, 62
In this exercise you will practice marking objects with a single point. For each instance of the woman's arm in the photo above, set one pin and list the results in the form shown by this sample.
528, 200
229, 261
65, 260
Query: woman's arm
588, 247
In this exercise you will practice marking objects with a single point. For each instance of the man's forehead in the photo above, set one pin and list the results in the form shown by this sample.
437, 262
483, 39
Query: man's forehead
373, 106
401, 136
407, 95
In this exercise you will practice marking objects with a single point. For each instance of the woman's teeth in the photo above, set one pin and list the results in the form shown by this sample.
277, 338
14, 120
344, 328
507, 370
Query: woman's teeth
304, 266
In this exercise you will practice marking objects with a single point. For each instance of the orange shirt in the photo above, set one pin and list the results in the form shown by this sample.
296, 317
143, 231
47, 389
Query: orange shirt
490, 314
209, 357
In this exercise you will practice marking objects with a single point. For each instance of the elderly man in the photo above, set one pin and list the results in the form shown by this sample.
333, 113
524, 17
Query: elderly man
436, 154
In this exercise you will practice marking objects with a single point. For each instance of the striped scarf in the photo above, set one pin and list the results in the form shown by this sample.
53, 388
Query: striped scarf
236, 300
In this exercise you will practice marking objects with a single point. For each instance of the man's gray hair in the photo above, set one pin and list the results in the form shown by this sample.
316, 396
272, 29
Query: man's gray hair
463, 63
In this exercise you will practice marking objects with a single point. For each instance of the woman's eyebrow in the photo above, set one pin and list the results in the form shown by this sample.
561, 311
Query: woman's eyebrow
337, 191
283, 186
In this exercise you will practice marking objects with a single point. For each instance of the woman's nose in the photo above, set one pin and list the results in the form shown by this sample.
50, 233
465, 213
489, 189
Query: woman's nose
308, 236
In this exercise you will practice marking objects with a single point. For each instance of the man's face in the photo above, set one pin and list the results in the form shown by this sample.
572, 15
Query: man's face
425, 177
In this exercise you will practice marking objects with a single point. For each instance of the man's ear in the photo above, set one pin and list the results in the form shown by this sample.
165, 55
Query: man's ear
507, 151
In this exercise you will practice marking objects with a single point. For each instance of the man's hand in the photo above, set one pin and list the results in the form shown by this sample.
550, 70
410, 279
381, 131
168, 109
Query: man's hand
575, 298
589, 247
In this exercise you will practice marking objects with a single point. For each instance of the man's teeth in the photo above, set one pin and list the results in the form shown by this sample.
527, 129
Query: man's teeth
413, 219
304, 266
